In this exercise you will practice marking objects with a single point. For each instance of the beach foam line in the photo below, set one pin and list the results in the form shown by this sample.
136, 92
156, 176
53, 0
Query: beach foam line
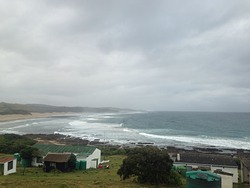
9, 132
77, 123
19, 126
80, 125
127, 130
78, 135
209, 141
91, 119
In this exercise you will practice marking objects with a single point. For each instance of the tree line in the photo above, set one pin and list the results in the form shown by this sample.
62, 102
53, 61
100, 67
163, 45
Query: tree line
12, 143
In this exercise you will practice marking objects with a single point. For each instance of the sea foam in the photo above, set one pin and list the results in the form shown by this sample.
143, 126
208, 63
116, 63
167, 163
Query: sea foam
204, 140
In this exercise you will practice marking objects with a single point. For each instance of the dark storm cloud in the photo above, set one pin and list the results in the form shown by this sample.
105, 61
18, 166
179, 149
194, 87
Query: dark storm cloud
160, 55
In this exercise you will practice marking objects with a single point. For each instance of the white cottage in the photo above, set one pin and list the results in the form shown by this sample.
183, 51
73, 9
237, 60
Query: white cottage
92, 158
7, 165
90, 154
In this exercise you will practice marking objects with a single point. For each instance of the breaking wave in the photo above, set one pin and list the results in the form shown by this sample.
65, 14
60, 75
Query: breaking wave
184, 129
204, 140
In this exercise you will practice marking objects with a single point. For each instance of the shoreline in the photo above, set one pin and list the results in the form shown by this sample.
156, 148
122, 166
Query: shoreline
14, 117
70, 140
59, 139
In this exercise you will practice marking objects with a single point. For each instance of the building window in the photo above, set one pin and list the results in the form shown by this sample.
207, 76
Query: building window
10, 165
39, 160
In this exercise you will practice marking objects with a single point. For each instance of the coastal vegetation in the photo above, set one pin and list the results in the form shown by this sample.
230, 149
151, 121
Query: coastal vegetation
27, 153
12, 143
149, 165
112, 150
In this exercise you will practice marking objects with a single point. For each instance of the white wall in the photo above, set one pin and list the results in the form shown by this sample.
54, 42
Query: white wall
226, 181
88, 160
34, 162
95, 155
231, 170
94, 164
13, 170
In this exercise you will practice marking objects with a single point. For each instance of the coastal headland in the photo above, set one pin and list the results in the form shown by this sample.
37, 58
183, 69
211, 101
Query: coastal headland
13, 117
13, 111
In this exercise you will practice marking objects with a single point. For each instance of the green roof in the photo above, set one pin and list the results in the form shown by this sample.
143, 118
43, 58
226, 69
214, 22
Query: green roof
84, 151
205, 175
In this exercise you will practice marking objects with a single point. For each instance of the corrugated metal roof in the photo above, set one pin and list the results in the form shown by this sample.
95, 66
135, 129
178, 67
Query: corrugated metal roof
57, 157
6, 159
205, 175
213, 159
78, 150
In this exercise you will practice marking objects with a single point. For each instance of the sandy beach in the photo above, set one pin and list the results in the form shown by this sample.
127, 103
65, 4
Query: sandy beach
12, 117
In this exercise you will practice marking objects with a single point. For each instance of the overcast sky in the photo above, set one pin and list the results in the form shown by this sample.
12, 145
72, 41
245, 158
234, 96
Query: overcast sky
144, 54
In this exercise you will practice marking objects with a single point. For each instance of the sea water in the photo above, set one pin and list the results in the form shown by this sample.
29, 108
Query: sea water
179, 129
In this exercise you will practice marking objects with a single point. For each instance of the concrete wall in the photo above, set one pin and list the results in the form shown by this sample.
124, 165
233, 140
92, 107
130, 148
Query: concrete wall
231, 170
245, 174
226, 181
95, 155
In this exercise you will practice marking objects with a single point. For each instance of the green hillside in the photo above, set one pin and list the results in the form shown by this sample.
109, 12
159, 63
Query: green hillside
11, 108
7, 108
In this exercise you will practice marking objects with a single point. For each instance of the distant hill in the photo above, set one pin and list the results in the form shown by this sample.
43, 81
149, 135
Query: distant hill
11, 108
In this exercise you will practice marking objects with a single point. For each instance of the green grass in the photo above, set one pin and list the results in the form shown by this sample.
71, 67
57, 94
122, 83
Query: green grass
240, 185
101, 178
92, 178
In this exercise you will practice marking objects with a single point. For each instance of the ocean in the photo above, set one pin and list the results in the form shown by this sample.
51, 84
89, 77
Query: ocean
178, 129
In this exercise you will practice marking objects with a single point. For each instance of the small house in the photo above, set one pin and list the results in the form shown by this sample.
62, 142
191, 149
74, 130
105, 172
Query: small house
208, 162
89, 155
7, 165
59, 161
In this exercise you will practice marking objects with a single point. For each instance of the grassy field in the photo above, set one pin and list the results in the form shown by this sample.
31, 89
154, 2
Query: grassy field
93, 178
102, 178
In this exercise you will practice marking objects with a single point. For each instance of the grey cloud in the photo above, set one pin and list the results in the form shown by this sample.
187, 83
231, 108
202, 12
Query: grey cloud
159, 55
